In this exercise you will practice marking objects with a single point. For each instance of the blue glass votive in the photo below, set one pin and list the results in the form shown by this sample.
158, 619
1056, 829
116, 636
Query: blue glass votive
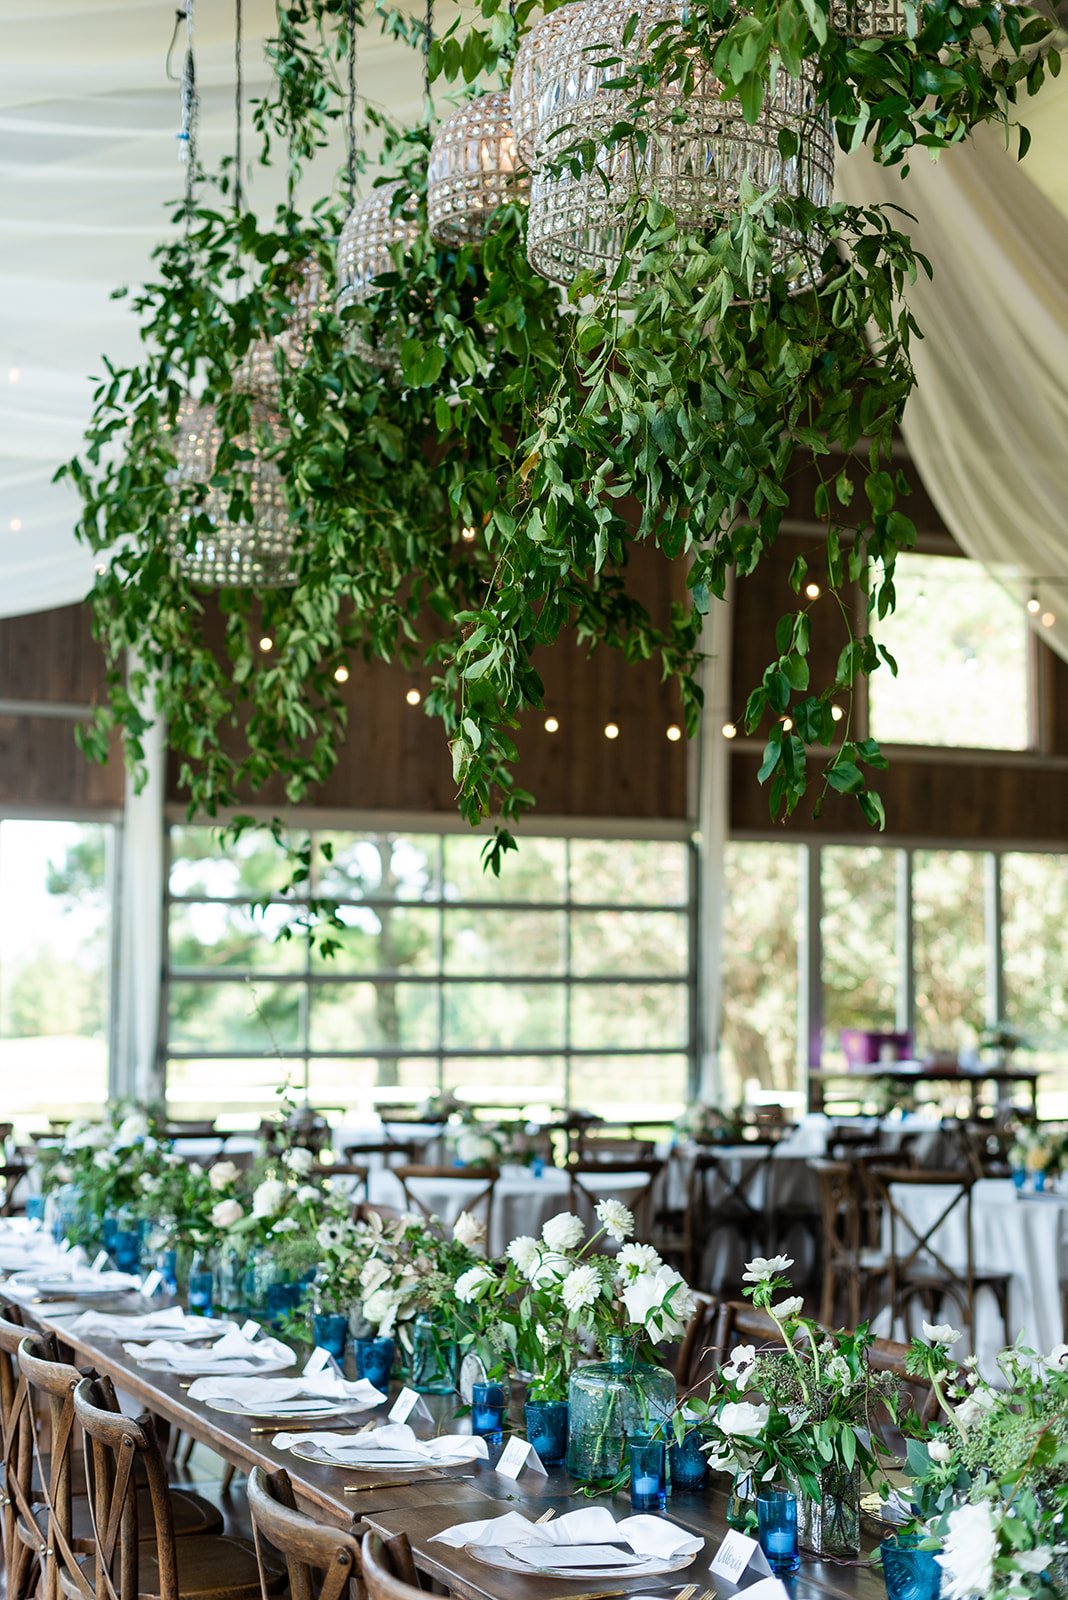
689, 1463
777, 1529
487, 1410
374, 1361
1040, 1181
125, 1251
1019, 1176
648, 1480
201, 1285
910, 1573
329, 1331
167, 1267
35, 1208
546, 1424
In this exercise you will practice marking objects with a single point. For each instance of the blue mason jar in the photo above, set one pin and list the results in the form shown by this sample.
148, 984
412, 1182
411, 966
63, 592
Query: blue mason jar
689, 1464
374, 1360
329, 1331
546, 1426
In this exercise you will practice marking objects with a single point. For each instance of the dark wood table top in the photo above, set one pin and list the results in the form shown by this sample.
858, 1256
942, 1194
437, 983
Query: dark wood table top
430, 1503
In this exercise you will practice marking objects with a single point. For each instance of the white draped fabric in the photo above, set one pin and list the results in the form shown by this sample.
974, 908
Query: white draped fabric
988, 421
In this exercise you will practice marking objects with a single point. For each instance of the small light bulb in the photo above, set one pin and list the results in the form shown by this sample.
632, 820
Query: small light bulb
266, 643
552, 725
837, 713
674, 732
787, 724
413, 697
729, 730
1048, 619
15, 524
14, 374
1034, 605
812, 590
468, 535
611, 730
341, 674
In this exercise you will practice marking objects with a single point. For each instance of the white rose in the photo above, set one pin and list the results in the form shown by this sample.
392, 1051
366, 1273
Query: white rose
939, 1451
742, 1361
580, 1288
132, 1128
565, 1231
941, 1333
269, 1198
978, 1403
224, 1213
469, 1231
380, 1310
524, 1253
967, 1557
299, 1161
470, 1283
787, 1308
743, 1420
375, 1273
638, 1258
307, 1195
223, 1174
615, 1219
837, 1370
761, 1268
645, 1296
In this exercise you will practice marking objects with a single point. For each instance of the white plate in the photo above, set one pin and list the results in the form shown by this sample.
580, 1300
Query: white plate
283, 1408
505, 1560
380, 1460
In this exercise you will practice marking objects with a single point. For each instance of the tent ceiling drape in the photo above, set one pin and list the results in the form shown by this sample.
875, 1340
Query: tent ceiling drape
88, 161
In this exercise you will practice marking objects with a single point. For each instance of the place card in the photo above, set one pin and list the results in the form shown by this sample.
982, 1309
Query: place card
320, 1360
250, 1329
409, 1404
151, 1284
737, 1555
517, 1455
99, 1261
767, 1589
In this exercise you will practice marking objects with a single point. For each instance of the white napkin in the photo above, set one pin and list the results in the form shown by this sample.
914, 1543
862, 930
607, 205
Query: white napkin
593, 1525
74, 1281
392, 1445
233, 1353
152, 1324
260, 1392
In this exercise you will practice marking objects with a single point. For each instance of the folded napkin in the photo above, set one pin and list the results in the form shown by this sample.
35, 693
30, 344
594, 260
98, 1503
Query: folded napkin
592, 1526
233, 1353
264, 1392
392, 1445
172, 1321
71, 1280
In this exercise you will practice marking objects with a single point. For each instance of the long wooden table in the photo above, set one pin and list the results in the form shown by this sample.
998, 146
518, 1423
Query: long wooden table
432, 1503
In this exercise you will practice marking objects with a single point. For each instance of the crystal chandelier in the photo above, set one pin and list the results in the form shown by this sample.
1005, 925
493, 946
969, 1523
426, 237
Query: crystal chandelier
472, 170
695, 165
363, 252
869, 19
527, 76
250, 552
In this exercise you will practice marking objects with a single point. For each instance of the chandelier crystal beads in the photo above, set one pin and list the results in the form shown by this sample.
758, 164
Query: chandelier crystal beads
527, 75
374, 226
473, 169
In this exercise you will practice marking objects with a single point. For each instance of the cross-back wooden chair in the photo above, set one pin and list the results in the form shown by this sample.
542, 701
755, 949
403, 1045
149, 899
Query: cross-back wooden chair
355, 1177
410, 1176
323, 1562
392, 1151
917, 1268
388, 1568
695, 1365
138, 1556
740, 1323
591, 1181
19, 1494
720, 1202
11, 1175
848, 1265
610, 1148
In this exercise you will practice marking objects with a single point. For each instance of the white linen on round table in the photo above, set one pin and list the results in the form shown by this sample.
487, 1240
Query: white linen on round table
522, 1203
1023, 1235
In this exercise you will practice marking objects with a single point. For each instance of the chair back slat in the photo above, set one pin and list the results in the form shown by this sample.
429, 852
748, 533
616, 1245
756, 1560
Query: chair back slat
591, 1180
696, 1366
388, 1569
323, 1562
411, 1175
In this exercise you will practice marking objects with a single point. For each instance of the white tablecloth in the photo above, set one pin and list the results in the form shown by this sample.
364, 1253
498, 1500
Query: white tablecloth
1021, 1234
522, 1203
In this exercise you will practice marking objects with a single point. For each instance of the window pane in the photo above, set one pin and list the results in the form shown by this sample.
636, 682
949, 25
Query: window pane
960, 642
609, 1016
626, 1087
509, 1082
355, 1016
859, 932
55, 968
950, 954
648, 943
255, 865
210, 937
760, 941
479, 941
533, 872
359, 1087
503, 1016
385, 866
1034, 899
236, 1093
631, 871
235, 1016
385, 939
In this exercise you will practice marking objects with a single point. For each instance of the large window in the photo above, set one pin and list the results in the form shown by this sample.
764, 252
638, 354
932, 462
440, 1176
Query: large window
56, 890
568, 980
822, 938
961, 647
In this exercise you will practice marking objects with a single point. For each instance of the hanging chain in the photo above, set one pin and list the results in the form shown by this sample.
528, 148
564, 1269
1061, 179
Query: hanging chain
350, 173
238, 97
510, 48
187, 132
428, 37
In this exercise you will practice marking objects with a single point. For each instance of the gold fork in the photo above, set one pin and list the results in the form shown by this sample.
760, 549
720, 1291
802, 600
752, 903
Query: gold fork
547, 1516
688, 1592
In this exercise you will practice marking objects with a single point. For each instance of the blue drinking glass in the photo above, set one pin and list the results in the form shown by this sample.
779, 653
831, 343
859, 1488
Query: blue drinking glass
689, 1463
487, 1411
777, 1529
910, 1573
374, 1361
35, 1208
546, 1425
125, 1251
201, 1287
330, 1330
648, 1475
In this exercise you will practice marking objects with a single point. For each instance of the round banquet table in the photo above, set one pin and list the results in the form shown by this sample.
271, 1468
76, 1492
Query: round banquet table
1019, 1233
522, 1203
